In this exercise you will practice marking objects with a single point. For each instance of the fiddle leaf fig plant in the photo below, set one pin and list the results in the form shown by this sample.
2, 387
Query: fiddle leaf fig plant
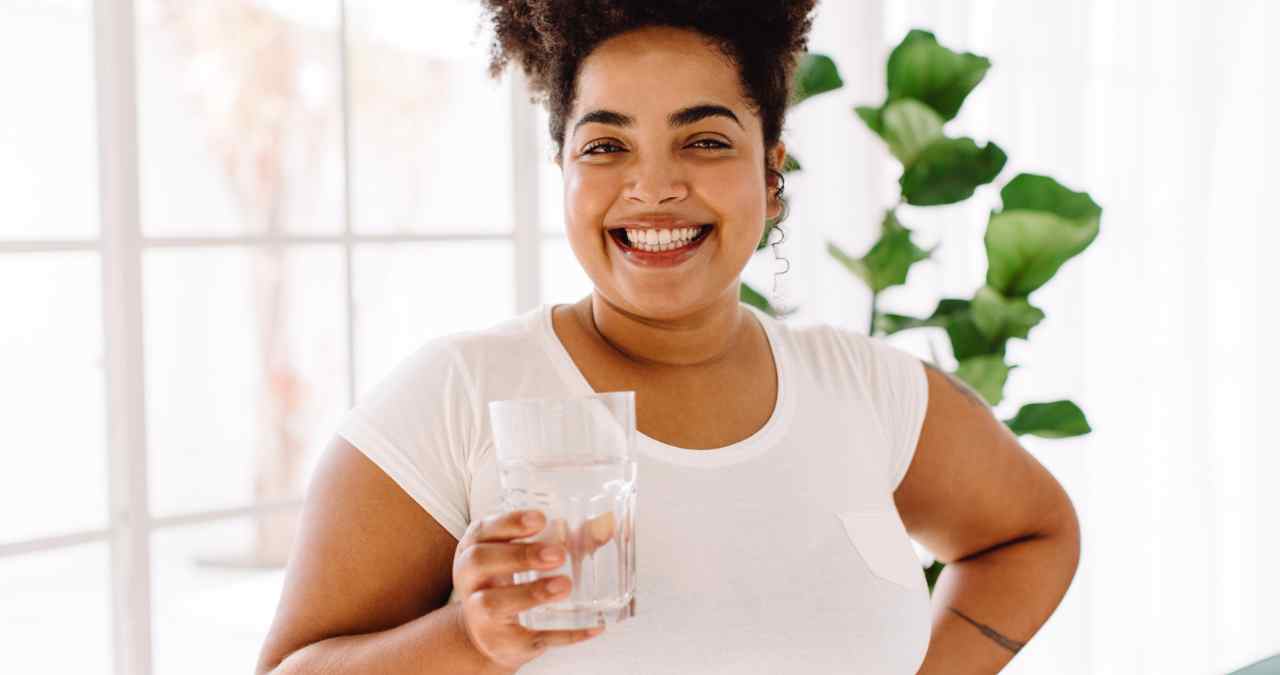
1039, 227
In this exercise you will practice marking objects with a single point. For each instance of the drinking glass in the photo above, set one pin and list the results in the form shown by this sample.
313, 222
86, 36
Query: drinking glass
574, 460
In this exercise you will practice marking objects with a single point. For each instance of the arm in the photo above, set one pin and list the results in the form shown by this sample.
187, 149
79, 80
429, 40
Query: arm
1001, 523
367, 582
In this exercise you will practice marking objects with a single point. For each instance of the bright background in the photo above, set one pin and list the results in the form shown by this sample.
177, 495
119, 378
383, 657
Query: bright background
223, 220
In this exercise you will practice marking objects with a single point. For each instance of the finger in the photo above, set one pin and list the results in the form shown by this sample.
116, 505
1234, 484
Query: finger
484, 565
505, 603
553, 638
594, 533
598, 531
504, 526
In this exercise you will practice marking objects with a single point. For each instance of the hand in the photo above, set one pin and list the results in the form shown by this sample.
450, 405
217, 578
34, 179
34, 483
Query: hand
483, 567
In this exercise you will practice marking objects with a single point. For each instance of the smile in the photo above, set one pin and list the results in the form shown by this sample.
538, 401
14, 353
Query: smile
660, 247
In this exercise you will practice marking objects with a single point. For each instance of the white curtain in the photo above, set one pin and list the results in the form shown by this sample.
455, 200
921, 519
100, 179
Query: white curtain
1164, 331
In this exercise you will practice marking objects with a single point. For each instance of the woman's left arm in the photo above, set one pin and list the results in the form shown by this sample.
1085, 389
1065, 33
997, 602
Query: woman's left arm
1001, 523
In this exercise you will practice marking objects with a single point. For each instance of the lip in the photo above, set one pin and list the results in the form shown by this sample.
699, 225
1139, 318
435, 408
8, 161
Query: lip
659, 258
656, 222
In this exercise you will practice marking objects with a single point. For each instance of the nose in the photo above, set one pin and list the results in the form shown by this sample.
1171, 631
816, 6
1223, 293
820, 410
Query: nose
656, 182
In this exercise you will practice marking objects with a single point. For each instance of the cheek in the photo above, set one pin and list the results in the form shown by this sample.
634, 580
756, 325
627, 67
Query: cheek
586, 202
739, 203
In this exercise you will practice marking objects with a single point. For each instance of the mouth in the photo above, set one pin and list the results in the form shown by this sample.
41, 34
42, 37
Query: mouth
668, 247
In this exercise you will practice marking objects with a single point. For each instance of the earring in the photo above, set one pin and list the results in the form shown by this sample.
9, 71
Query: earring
775, 294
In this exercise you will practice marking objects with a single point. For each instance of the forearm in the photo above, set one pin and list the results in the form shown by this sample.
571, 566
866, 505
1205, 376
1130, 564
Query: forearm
1006, 593
433, 643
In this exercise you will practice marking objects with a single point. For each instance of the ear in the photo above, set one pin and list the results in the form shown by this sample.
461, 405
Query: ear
777, 155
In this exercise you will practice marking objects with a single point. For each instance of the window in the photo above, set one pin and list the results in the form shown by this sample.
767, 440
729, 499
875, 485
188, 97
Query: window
224, 220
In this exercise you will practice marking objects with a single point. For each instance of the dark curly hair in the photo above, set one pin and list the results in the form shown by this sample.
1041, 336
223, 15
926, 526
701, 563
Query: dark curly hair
550, 38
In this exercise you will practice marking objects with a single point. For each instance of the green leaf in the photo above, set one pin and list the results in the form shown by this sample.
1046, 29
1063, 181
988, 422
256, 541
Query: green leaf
754, 298
949, 170
889, 324
922, 69
986, 374
932, 573
1059, 419
1032, 192
889, 260
954, 315
909, 127
1041, 227
999, 317
871, 117
815, 74
790, 163
967, 341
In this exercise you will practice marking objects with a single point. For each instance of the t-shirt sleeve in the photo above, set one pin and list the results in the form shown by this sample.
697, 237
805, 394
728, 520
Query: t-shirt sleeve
899, 391
418, 425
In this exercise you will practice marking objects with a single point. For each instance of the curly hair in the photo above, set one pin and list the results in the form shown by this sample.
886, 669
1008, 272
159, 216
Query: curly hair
550, 38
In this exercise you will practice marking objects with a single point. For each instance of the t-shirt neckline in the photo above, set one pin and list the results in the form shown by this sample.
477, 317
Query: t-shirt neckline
752, 446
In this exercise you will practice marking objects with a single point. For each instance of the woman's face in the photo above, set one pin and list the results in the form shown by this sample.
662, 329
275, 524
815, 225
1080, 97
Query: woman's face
661, 139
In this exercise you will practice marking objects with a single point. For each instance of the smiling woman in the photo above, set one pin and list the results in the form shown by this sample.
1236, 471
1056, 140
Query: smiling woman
772, 455
668, 147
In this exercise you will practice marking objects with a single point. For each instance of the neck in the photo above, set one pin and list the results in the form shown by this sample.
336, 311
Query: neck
702, 337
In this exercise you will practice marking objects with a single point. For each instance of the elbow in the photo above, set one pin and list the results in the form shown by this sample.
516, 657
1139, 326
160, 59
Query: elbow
272, 661
267, 666
1064, 529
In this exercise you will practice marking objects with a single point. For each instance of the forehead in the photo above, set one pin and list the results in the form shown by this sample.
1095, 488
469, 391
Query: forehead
654, 70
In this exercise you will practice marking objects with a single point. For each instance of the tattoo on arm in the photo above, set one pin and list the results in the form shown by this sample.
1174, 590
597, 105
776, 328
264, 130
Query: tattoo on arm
1011, 645
960, 386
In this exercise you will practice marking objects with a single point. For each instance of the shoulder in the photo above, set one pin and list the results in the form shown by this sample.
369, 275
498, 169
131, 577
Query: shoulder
832, 349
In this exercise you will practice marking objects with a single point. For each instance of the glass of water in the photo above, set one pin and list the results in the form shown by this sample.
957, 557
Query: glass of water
574, 460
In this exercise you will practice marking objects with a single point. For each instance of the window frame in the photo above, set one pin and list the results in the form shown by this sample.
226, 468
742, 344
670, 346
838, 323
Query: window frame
120, 245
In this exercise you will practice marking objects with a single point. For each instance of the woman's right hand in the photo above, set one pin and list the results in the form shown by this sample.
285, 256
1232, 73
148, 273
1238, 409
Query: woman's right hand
483, 567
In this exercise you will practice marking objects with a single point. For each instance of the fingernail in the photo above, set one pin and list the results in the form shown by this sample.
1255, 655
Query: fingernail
558, 585
532, 518
550, 554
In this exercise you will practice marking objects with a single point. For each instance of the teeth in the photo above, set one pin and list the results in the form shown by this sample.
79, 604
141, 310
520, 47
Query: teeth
661, 240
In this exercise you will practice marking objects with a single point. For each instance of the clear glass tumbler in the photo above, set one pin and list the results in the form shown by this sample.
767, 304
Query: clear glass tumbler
574, 459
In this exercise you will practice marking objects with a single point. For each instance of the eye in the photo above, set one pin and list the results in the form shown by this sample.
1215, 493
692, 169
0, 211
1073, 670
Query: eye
717, 144
589, 150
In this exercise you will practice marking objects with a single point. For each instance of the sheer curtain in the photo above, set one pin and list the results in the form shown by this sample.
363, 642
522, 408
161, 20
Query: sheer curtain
1164, 331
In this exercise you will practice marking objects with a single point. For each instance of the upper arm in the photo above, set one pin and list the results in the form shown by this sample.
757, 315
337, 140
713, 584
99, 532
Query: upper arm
970, 485
367, 558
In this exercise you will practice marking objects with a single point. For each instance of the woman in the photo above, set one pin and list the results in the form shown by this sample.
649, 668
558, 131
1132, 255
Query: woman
783, 468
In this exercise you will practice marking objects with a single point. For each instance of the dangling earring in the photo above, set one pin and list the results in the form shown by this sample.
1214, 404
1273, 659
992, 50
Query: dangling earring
782, 234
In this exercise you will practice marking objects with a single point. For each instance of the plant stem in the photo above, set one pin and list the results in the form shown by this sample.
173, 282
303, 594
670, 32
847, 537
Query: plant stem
871, 330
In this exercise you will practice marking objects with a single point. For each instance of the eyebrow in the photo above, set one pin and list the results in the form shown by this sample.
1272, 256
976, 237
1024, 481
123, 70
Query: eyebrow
679, 118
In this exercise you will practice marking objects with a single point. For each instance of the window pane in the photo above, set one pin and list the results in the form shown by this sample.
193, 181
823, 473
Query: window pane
246, 353
431, 137
47, 128
550, 179
55, 617
212, 603
239, 113
52, 395
406, 294
563, 280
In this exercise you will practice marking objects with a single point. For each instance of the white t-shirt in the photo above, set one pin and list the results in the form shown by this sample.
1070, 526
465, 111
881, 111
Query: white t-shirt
781, 553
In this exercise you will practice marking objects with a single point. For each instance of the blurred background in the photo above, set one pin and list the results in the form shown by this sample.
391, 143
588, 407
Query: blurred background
221, 221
